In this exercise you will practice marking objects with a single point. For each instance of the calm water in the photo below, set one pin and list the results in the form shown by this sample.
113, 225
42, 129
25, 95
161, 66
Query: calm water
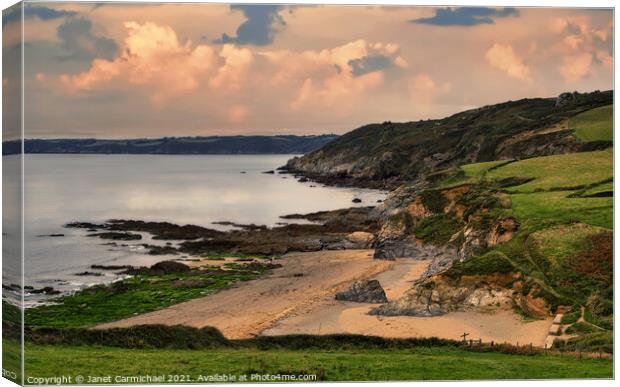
179, 189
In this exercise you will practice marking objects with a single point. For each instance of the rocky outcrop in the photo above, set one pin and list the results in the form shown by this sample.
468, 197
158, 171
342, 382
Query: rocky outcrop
439, 296
364, 291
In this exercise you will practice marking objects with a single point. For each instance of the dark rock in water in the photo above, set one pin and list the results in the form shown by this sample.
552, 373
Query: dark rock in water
269, 172
242, 172
119, 236
364, 291
303, 180
161, 250
92, 230
357, 200
53, 235
89, 273
168, 267
83, 225
45, 290
379, 201
110, 267
13, 287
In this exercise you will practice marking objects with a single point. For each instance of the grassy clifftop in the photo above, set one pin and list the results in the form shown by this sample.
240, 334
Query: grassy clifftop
391, 153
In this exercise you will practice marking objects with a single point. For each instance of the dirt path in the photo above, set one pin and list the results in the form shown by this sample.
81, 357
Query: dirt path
252, 307
330, 316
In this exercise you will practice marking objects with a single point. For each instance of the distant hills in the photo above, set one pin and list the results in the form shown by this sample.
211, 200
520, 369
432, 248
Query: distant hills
287, 144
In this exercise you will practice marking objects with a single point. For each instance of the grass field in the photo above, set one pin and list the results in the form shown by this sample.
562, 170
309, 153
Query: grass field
339, 365
558, 188
594, 125
558, 172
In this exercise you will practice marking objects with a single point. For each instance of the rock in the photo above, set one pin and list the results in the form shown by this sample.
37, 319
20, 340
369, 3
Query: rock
269, 172
89, 273
565, 98
53, 235
360, 240
436, 296
357, 200
303, 180
168, 267
364, 291
121, 236
110, 267
45, 290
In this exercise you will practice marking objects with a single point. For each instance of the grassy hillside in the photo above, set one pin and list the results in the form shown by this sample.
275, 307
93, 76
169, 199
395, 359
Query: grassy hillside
392, 153
562, 251
345, 365
562, 188
595, 124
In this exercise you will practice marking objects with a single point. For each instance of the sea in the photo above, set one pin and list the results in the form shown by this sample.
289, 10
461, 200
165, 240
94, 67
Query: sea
181, 189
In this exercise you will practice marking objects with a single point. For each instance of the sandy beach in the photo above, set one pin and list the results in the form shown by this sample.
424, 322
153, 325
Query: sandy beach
298, 298
252, 307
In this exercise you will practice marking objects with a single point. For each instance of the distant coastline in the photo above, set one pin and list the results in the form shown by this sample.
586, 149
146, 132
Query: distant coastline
283, 144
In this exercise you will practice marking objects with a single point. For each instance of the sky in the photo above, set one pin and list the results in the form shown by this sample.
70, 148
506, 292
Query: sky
151, 70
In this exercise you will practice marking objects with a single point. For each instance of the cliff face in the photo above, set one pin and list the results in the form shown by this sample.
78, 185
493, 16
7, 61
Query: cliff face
388, 154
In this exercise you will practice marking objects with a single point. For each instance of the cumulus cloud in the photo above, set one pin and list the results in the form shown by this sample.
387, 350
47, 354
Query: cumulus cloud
259, 28
79, 42
151, 56
334, 74
423, 91
583, 46
466, 16
236, 64
504, 58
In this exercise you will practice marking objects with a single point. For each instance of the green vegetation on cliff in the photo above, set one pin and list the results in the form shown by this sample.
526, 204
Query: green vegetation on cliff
563, 248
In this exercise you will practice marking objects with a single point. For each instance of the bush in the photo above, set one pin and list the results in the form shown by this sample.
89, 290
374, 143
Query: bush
437, 229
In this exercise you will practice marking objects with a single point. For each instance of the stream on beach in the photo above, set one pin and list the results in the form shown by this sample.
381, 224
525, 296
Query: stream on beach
181, 189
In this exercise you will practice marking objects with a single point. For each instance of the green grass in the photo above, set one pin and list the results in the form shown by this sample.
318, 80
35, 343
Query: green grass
135, 295
558, 172
555, 244
339, 365
594, 125
558, 207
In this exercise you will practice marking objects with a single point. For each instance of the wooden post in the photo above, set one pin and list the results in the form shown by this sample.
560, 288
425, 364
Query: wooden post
464, 336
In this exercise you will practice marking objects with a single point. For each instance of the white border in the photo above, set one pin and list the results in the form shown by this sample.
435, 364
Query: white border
516, 3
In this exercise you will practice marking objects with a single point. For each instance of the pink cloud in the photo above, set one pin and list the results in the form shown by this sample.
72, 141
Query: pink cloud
504, 58
153, 57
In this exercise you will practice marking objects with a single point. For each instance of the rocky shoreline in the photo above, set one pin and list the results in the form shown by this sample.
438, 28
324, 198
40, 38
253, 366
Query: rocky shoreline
351, 228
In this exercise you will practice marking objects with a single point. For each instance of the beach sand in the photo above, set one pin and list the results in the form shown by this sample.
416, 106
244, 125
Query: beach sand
251, 307
330, 316
298, 298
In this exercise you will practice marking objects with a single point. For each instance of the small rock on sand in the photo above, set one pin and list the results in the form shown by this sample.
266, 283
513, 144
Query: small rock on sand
364, 291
